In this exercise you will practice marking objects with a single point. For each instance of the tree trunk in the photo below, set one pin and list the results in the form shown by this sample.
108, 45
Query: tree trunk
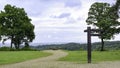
11, 41
17, 46
102, 47
26, 45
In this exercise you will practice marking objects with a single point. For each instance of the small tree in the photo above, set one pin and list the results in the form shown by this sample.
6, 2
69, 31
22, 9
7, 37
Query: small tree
16, 25
99, 15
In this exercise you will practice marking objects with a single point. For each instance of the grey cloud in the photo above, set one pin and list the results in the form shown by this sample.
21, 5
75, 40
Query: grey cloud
34, 14
37, 7
79, 18
70, 21
107, 1
68, 3
33, 8
73, 3
63, 15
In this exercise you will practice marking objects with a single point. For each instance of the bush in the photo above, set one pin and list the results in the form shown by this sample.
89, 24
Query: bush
12, 49
28, 49
5, 49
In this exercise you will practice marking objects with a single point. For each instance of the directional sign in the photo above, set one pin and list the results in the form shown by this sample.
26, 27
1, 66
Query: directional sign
95, 34
90, 32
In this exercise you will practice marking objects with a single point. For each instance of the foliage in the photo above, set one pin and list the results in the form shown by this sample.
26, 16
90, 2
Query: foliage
4, 49
97, 16
104, 17
116, 10
16, 25
97, 56
28, 49
7, 49
8, 57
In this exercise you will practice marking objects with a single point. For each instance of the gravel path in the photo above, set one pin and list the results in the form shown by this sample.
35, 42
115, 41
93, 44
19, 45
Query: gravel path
50, 62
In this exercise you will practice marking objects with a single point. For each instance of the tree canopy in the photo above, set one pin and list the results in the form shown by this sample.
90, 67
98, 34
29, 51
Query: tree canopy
16, 26
104, 17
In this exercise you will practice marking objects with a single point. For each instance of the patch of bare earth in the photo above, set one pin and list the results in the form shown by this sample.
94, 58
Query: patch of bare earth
51, 62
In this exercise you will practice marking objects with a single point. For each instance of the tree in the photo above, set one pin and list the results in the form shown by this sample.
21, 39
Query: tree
17, 26
0, 28
116, 10
99, 15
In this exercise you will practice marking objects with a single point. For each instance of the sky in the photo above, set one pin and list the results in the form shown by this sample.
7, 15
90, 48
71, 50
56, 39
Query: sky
58, 21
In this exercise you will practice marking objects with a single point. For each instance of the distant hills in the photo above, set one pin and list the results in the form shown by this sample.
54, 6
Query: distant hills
109, 45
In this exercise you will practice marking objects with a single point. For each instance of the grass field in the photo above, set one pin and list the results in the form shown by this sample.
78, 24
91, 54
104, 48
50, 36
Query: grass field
97, 56
7, 57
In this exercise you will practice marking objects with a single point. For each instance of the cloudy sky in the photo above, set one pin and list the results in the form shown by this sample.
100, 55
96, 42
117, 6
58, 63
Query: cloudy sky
57, 20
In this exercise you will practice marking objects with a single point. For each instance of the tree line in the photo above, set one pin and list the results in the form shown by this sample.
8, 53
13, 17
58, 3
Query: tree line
16, 26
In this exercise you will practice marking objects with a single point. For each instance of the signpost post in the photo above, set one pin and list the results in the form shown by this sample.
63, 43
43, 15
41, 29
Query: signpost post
89, 34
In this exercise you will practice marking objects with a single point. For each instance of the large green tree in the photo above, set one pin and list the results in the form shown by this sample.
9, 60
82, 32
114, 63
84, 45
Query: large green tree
16, 26
100, 16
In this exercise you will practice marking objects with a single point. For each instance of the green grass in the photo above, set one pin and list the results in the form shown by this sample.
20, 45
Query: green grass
8, 57
97, 56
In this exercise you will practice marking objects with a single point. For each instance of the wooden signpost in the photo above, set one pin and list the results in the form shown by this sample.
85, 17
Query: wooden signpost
90, 32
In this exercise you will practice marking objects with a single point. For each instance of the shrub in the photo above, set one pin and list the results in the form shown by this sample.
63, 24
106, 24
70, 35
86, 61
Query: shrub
5, 49
28, 49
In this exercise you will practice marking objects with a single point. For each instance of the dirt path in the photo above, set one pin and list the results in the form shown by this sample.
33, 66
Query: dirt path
50, 62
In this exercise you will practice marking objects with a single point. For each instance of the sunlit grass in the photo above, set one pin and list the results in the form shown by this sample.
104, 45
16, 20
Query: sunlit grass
97, 56
7, 57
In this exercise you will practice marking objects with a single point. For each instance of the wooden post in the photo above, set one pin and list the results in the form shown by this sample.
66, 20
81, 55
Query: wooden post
89, 44
90, 32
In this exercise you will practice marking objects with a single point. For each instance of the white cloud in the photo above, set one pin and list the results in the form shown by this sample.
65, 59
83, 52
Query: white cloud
48, 28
